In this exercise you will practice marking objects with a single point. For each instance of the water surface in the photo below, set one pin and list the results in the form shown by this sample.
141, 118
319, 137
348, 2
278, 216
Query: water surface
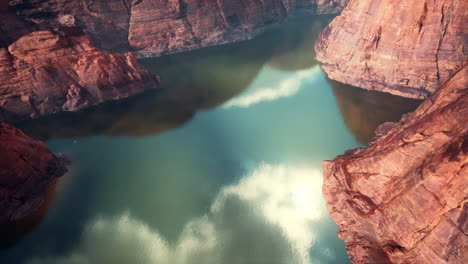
222, 165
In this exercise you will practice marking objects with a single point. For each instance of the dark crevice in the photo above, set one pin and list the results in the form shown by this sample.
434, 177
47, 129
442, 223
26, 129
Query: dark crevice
393, 247
443, 28
183, 9
127, 8
422, 18
137, 2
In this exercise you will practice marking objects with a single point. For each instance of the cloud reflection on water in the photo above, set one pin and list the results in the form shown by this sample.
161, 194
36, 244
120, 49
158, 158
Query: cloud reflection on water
267, 217
285, 88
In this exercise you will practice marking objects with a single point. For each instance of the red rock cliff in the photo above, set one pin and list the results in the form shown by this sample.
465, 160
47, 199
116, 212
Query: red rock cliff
26, 170
403, 47
156, 27
403, 200
47, 72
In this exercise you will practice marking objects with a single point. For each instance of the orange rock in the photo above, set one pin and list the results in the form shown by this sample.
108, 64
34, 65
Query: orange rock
404, 47
191, 24
156, 27
46, 72
27, 168
403, 200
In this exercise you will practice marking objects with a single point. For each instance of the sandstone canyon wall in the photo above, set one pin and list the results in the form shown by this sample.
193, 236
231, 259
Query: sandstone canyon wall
156, 27
46, 72
27, 168
62, 62
404, 47
403, 200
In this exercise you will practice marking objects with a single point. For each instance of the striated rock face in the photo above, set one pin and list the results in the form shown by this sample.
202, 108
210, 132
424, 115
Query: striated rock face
201, 23
157, 27
106, 22
27, 168
190, 82
403, 200
47, 72
404, 47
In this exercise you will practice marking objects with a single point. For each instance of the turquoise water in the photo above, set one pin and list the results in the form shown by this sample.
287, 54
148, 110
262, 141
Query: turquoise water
223, 165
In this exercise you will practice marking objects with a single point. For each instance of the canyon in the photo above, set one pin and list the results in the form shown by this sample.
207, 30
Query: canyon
46, 72
401, 47
56, 57
152, 28
403, 199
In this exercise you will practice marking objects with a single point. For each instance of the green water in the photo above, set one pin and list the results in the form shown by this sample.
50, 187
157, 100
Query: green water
220, 166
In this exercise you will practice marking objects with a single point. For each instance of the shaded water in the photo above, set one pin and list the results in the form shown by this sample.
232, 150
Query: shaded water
222, 165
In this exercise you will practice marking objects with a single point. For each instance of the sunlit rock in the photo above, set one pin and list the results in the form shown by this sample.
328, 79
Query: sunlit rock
404, 47
46, 72
403, 199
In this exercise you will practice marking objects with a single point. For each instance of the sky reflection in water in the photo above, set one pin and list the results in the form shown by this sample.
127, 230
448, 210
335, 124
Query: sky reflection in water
267, 217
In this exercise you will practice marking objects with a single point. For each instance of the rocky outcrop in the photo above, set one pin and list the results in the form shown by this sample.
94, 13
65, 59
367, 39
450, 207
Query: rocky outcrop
47, 72
403, 200
27, 168
190, 82
156, 27
404, 47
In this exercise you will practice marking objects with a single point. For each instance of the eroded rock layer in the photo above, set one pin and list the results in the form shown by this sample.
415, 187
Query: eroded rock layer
404, 47
47, 72
27, 168
156, 27
403, 200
